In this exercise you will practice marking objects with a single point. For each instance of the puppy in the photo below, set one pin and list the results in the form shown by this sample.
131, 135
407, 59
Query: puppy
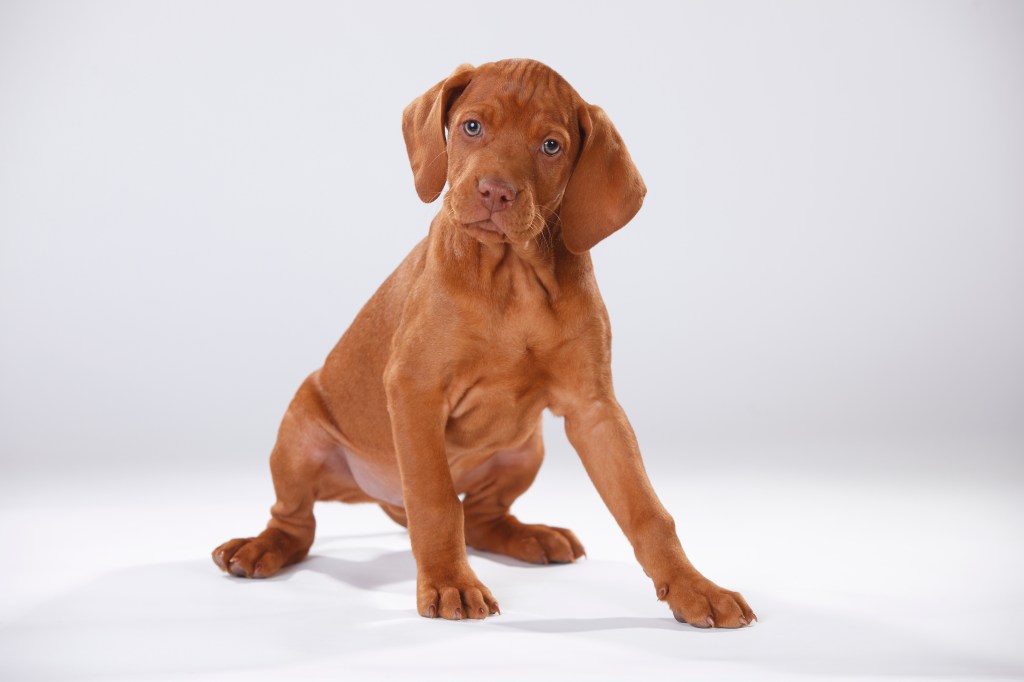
436, 390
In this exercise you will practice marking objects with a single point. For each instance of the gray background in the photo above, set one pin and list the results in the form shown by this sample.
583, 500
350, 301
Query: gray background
196, 199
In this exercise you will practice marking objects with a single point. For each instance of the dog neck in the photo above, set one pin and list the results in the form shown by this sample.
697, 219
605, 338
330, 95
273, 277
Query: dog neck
489, 266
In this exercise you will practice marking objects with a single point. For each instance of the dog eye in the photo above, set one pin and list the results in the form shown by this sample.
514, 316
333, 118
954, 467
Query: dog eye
551, 147
472, 128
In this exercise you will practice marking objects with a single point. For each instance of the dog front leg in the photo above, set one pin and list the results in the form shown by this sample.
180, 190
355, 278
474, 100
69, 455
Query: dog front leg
446, 586
607, 446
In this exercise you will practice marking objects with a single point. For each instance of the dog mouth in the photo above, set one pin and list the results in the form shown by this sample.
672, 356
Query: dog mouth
489, 230
487, 225
510, 226
493, 232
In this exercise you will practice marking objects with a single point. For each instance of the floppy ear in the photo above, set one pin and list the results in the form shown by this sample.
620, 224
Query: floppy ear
605, 190
423, 124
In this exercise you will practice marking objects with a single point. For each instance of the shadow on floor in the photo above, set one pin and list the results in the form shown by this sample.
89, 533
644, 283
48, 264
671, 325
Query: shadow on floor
346, 604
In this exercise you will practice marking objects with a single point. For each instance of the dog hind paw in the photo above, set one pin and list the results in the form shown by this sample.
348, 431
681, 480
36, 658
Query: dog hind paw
249, 558
532, 543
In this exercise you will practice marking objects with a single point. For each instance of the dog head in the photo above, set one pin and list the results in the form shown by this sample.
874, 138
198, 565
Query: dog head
522, 150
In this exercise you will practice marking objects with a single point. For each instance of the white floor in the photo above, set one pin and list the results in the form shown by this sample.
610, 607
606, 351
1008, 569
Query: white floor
109, 578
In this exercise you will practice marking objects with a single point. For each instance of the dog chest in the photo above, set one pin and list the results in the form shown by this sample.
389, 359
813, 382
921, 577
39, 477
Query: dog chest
495, 411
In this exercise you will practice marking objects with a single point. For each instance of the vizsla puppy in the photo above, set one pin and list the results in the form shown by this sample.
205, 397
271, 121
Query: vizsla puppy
437, 388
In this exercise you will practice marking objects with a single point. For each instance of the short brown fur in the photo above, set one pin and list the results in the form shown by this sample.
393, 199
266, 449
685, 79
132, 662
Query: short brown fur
437, 388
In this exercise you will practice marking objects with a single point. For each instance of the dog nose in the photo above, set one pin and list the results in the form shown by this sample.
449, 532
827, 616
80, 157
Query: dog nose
495, 194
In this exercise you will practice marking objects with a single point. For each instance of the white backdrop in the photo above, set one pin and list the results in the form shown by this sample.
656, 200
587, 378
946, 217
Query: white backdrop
196, 198
827, 277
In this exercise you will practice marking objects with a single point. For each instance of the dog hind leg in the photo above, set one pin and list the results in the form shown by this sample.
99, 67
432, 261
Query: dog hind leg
306, 465
490, 492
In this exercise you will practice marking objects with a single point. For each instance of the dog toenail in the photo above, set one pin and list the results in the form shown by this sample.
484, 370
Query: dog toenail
431, 611
458, 614
711, 622
482, 610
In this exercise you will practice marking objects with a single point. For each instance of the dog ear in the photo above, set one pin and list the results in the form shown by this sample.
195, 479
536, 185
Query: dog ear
423, 123
605, 190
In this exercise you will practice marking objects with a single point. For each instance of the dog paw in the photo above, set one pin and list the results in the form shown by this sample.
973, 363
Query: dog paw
455, 598
540, 544
249, 557
532, 543
703, 604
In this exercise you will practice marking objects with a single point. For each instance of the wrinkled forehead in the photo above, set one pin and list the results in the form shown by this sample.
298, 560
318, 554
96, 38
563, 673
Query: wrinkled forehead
520, 91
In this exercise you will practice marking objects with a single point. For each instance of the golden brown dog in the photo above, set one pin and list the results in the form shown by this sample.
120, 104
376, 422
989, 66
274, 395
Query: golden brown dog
437, 388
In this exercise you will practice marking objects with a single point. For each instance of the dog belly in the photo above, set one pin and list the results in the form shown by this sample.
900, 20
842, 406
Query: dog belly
380, 481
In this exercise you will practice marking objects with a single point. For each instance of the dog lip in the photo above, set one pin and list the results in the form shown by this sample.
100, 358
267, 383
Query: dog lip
488, 225
489, 229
